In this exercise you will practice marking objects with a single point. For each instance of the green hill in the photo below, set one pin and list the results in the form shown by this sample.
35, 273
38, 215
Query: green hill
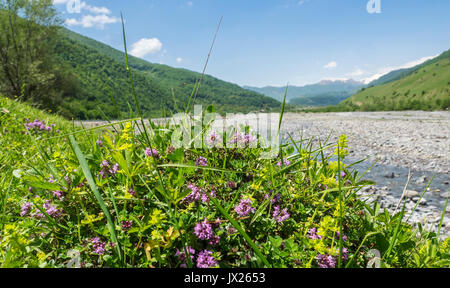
100, 73
425, 88
401, 73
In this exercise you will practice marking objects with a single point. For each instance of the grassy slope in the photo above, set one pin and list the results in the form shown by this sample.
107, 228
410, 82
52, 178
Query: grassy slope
399, 74
427, 88
100, 69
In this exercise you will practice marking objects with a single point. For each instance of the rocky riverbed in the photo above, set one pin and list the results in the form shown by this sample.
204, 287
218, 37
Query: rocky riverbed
399, 142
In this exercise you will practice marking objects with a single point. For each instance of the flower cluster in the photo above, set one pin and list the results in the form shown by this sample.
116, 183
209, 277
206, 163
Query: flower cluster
214, 139
201, 161
25, 208
99, 246
244, 208
312, 234
107, 169
326, 261
152, 152
198, 194
285, 163
39, 126
182, 255
206, 260
280, 215
204, 231
126, 224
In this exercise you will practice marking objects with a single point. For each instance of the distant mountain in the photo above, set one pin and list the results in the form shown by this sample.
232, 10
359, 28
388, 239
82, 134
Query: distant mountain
424, 87
100, 73
326, 92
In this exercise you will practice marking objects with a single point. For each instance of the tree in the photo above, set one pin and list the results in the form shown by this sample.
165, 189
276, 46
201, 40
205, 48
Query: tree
29, 28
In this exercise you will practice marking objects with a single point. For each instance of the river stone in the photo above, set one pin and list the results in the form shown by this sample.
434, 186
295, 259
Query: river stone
445, 195
411, 193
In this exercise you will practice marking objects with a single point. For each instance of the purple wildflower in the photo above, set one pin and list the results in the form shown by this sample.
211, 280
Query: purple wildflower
201, 161
215, 240
285, 163
25, 208
206, 260
203, 230
249, 139
232, 185
326, 261
280, 216
99, 142
151, 152
213, 139
99, 246
58, 194
132, 192
244, 208
343, 174
126, 224
182, 255
313, 234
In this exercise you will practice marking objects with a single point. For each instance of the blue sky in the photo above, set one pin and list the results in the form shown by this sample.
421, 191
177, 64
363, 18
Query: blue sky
271, 42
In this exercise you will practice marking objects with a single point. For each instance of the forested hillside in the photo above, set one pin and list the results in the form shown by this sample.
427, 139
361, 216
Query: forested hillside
101, 73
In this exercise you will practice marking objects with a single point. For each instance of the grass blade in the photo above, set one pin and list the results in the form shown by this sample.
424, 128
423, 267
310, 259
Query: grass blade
87, 173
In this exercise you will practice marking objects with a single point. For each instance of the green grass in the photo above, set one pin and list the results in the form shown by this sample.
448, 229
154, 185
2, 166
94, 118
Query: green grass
425, 89
94, 210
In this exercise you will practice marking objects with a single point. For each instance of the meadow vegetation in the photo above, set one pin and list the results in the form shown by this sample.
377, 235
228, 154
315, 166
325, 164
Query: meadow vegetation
116, 198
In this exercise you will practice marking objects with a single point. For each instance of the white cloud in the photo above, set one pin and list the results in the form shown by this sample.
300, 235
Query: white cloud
331, 65
383, 71
146, 46
179, 60
190, 3
84, 6
95, 9
88, 21
356, 73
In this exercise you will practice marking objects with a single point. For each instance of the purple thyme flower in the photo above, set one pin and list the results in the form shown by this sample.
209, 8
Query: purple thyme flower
206, 260
326, 261
343, 174
132, 192
126, 224
285, 163
280, 216
152, 153
215, 240
182, 255
25, 208
213, 139
99, 246
58, 194
232, 185
244, 208
313, 234
203, 230
99, 142
248, 139
201, 161
344, 238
